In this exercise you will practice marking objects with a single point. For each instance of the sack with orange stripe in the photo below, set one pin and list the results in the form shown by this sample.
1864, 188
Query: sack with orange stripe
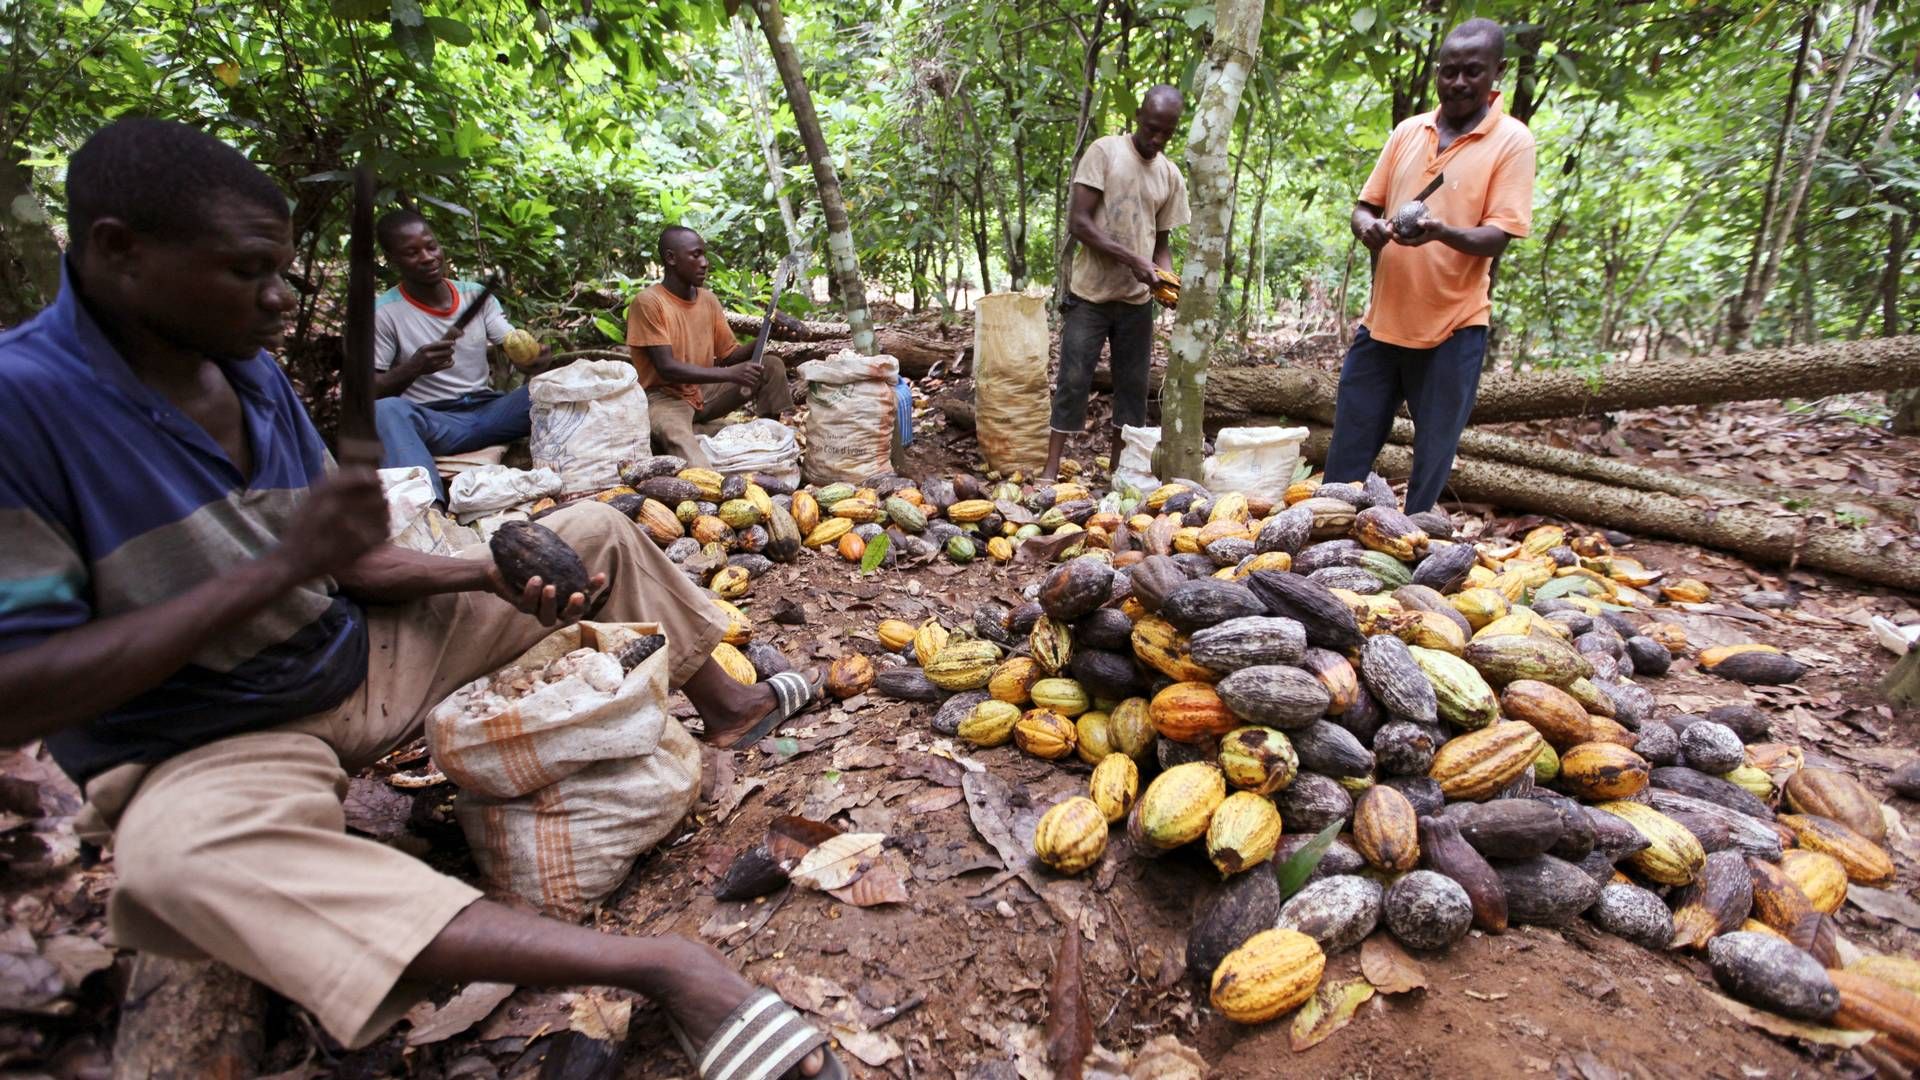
568, 762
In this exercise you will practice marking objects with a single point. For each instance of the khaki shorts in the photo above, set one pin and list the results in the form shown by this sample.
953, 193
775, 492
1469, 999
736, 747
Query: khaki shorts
238, 850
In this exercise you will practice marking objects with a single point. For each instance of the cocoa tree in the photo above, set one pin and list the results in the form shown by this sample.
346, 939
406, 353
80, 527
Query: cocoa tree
1220, 81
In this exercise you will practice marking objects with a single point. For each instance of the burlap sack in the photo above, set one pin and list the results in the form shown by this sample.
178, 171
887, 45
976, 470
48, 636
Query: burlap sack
563, 787
1011, 394
850, 417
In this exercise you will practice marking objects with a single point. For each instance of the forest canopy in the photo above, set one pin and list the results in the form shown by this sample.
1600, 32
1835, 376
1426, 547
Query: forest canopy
1701, 166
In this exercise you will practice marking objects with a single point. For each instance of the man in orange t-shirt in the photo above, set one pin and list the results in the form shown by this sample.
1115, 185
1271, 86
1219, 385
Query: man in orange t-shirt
694, 369
1424, 336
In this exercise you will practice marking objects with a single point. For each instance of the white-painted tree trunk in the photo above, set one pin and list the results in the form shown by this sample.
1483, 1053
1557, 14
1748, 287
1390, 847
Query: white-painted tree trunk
1219, 83
842, 261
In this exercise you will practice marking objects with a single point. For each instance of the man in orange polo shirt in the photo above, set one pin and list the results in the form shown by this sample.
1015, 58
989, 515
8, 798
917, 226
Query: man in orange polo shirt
1425, 333
694, 369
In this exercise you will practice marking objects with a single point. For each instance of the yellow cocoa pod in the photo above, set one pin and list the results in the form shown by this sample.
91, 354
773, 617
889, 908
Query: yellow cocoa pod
1865, 861
1179, 804
850, 675
969, 511
1045, 734
730, 583
1686, 591
928, 641
1186, 541
739, 628
963, 665
1673, 855
1071, 835
1130, 728
990, 723
1013, 680
1064, 696
1542, 539
1229, 507
827, 532
1480, 605
1000, 549
805, 513
1273, 972
852, 548
1115, 785
734, 663
1093, 742
1819, 875
895, 634
708, 481
1243, 832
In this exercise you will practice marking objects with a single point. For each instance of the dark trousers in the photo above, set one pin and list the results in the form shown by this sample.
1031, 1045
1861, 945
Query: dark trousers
1085, 326
1438, 386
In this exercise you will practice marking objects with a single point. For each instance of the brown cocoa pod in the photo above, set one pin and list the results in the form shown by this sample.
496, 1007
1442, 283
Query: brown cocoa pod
1206, 602
1546, 891
1246, 905
1329, 623
1385, 829
1075, 588
1507, 828
523, 550
1716, 902
1444, 851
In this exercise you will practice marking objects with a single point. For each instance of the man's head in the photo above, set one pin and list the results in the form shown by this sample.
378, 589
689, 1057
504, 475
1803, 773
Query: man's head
175, 235
1472, 59
411, 248
684, 255
1155, 122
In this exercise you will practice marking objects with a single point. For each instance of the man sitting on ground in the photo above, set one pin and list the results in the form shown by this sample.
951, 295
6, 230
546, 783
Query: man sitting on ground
693, 367
199, 617
435, 393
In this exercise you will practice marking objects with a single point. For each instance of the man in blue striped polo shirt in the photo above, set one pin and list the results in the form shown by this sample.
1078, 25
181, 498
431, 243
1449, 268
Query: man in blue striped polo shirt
199, 616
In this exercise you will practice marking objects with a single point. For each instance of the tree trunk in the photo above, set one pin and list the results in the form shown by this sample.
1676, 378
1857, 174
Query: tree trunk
188, 1020
1739, 318
29, 254
1770, 274
1807, 371
842, 259
1890, 277
1256, 246
1221, 78
762, 113
1765, 536
1010, 239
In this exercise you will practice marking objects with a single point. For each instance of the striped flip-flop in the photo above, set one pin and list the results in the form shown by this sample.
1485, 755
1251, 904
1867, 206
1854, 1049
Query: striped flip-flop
762, 1039
792, 694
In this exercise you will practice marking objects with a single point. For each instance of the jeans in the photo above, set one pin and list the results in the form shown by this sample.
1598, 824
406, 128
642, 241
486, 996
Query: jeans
412, 432
1085, 327
1438, 385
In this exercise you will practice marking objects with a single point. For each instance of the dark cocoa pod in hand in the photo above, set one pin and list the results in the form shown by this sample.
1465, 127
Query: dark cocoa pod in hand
523, 551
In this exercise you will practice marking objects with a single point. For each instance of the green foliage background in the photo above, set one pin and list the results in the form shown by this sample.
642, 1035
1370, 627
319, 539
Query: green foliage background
555, 140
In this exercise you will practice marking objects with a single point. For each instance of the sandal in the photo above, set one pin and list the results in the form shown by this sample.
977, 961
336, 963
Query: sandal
761, 1039
793, 693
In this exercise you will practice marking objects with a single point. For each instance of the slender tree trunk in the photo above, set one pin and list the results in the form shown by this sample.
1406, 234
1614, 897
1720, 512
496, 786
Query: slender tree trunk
762, 113
1256, 243
1660, 245
1739, 320
29, 254
980, 226
1221, 79
1890, 275
1233, 210
843, 260
1770, 274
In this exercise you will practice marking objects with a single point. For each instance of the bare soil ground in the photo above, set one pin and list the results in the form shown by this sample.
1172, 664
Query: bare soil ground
955, 981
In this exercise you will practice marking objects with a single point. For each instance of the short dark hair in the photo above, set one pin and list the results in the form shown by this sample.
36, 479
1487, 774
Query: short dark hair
1162, 92
390, 223
670, 233
1482, 30
159, 177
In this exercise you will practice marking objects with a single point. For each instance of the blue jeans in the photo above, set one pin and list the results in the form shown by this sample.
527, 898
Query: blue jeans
1438, 385
412, 433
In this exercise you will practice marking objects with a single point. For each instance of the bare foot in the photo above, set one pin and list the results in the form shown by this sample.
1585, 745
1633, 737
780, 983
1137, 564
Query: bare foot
705, 992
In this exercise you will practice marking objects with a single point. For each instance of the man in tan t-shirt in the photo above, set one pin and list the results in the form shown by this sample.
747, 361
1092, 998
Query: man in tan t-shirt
694, 369
1127, 200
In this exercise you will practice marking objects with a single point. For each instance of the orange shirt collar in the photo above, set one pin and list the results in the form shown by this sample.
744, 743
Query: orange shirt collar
1494, 112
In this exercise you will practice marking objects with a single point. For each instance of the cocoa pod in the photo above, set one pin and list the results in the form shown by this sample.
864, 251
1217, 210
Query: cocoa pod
1248, 904
1546, 891
1444, 851
1427, 910
523, 550
1385, 830
1509, 829
1396, 680
1716, 902
1771, 974
1338, 912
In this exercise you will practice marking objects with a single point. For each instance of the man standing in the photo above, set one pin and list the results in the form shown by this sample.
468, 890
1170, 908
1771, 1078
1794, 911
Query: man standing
199, 617
434, 392
1127, 200
693, 367
1425, 332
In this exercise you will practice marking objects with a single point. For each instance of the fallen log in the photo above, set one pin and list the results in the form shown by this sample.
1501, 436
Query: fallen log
1780, 538
788, 328
917, 354
189, 1019
1486, 444
1802, 371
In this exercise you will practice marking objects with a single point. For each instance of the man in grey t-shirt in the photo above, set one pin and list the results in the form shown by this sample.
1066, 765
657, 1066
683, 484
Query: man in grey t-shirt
434, 394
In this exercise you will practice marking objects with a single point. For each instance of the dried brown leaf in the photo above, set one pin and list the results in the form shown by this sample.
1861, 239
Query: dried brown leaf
431, 1024
1330, 1009
1069, 1021
1388, 967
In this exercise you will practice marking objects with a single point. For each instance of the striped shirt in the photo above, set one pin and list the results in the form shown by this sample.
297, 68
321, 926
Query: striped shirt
112, 499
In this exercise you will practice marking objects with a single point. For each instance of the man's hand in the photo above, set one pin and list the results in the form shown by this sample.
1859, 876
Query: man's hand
1376, 234
747, 376
343, 517
1143, 271
429, 358
538, 599
1430, 229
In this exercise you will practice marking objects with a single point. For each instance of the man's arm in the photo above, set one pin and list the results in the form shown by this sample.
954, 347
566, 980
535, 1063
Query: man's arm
1080, 223
396, 575
673, 371
1487, 241
81, 673
1163, 249
1369, 227
437, 356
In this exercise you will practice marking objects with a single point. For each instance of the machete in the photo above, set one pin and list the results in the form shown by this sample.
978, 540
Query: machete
781, 274
358, 442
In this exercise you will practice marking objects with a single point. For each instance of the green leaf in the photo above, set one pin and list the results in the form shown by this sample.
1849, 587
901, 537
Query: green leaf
1363, 19
613, 330
452, 31
408, 13
1293, 873
360, 9
876, 551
